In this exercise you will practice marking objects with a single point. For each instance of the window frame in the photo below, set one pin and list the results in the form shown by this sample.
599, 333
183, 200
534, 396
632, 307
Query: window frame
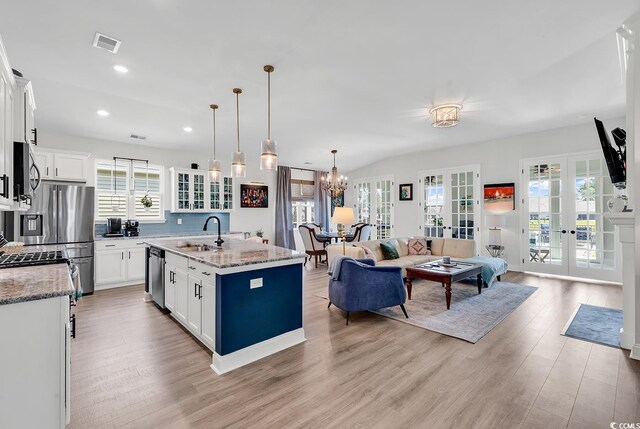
129, 197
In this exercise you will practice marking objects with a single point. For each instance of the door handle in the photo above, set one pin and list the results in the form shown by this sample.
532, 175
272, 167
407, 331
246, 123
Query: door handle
123, 256
195, 290
129, 254
72, 319
56, 171
200, 291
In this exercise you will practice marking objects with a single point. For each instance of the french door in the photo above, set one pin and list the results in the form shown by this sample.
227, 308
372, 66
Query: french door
375, 204
450, 205
564, 229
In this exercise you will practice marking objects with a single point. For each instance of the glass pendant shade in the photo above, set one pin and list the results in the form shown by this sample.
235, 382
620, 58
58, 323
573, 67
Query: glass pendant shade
269, 157
214, 170
238, 164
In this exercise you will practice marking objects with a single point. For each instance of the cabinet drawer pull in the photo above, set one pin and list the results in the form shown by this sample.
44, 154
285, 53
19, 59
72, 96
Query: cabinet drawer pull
139, 244
206, 273
200, 291
109, 245
192, 268
195, 290
56, 171
129, 254
123, 256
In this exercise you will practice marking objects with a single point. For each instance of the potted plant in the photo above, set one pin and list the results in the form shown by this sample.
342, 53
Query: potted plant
259, 233
146, 202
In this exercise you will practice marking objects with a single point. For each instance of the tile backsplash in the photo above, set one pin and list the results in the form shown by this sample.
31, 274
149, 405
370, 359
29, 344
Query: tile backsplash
192, 223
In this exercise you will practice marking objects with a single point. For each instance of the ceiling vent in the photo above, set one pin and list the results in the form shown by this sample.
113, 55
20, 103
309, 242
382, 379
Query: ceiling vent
138, 137
106, 42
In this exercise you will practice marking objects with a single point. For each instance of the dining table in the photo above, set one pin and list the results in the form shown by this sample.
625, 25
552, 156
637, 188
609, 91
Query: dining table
329, 236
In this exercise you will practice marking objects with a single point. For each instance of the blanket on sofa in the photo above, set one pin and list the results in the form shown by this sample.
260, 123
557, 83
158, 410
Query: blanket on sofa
491, 267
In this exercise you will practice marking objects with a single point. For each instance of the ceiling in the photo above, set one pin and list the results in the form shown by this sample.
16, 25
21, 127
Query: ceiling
348, 75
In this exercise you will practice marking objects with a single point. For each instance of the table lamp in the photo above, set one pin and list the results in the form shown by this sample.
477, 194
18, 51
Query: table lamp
343, 216
495, 223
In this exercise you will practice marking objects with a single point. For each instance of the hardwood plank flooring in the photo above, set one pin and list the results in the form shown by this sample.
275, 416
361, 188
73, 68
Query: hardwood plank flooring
133, 366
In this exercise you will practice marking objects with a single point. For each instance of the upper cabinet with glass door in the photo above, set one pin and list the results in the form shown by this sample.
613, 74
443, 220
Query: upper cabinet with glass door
188, 190
221, 195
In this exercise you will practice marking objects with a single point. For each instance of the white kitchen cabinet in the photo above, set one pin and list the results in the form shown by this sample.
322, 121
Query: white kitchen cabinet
221, 195
110, 266
24, 129
190, 296
135, 263
119, 263
188, 190
194, 315
208, 300
62, 166
182, 295
44, 162
7, 82
169, 287
70, 167
36, 364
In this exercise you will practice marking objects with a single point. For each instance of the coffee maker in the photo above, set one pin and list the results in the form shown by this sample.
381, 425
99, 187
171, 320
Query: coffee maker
114, 227
131, 228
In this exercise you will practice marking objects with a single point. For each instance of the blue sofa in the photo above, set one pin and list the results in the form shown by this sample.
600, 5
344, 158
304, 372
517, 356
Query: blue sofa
362, 286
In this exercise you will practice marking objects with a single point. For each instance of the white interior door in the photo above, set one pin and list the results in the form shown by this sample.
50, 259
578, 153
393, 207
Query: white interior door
592, 238
433, 207
375, 204
545, 230
564, 230
450, 205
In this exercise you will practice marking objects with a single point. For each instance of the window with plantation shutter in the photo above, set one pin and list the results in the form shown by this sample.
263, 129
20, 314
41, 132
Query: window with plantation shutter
148, 183
119, 191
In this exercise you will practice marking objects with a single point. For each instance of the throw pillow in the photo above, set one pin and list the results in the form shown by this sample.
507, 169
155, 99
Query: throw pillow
418, 246
368, 254
389, 251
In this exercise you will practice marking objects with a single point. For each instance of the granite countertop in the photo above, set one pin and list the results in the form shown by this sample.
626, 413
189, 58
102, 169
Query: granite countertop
234, 253
22, 284
144, 237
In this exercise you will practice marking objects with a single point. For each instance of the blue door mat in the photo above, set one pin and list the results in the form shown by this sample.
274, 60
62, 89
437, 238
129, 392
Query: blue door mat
599, 325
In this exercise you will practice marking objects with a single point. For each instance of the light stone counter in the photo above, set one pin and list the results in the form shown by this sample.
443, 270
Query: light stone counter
234, 253
32, 283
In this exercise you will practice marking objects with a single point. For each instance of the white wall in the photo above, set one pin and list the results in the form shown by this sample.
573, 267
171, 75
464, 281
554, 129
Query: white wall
242, 219
499, 162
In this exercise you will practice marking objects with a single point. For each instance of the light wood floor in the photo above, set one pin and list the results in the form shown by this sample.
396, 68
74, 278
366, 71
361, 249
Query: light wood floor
133, 366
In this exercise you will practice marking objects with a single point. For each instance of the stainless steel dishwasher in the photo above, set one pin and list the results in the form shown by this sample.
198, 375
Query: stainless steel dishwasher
154, 283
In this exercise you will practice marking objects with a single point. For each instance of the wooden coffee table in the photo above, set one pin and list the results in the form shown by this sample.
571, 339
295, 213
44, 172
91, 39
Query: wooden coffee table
445, 275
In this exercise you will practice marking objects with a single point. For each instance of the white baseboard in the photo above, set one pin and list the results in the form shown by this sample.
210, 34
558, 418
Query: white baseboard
635, 352
516, 268
226, 363
626, 339
105, 286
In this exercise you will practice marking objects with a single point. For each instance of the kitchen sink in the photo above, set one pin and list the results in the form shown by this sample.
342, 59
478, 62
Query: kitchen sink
199, 247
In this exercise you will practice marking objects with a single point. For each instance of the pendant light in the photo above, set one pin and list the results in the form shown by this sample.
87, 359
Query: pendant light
269, 157
214, 164
238, 165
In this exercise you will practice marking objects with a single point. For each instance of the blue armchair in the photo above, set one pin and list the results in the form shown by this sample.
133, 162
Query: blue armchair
362, 286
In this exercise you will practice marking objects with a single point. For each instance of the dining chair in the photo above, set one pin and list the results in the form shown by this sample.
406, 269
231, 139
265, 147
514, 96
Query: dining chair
362, 233
313, 247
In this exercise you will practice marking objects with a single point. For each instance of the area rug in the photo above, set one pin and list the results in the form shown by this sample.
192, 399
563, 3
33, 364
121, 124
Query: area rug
595, 324
471, 317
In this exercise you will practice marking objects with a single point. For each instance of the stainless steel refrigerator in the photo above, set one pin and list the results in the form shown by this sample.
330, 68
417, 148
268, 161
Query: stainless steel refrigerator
60, 214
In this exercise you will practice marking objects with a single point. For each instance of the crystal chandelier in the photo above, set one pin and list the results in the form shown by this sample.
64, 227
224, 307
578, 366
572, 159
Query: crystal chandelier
332, 182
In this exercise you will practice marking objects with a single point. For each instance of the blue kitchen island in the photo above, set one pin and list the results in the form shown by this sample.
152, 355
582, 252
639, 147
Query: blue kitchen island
243, 300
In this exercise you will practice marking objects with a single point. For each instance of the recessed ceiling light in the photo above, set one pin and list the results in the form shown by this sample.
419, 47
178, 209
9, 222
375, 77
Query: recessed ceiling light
102, 113
120, 68
187, 129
